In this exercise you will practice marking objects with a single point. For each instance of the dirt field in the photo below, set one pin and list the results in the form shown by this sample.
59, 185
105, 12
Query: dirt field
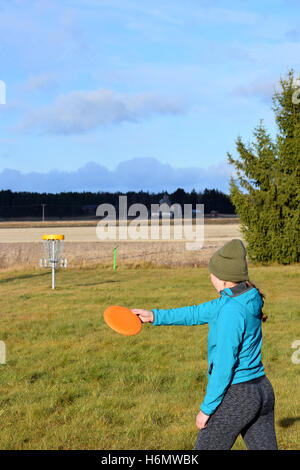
22, 246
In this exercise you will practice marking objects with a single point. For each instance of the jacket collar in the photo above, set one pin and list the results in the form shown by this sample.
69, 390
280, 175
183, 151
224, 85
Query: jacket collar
237, 290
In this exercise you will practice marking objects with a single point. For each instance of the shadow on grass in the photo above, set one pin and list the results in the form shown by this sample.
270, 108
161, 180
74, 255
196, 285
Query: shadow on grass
23, 276
96, 283
287, 422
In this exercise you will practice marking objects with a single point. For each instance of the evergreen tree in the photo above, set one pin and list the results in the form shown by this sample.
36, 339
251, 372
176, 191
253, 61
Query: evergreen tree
266, 192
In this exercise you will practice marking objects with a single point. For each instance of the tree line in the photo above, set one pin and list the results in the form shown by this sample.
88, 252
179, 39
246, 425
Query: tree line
77, 204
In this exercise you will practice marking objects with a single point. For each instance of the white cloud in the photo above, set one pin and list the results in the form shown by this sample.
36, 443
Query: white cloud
81, 111
262, 88
42, 81
146, 174
228, 15
177, 12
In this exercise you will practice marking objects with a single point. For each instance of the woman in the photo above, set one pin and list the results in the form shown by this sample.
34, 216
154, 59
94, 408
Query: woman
239, 397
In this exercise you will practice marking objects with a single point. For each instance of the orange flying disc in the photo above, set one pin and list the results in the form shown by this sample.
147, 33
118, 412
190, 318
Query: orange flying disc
122, 320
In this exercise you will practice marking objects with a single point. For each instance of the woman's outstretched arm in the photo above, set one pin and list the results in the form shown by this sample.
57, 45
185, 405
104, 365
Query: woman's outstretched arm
190, 315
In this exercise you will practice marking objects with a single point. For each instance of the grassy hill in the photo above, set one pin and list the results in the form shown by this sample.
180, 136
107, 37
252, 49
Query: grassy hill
72, 383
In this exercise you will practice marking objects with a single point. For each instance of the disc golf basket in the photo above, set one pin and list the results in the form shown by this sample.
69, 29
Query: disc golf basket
53, 249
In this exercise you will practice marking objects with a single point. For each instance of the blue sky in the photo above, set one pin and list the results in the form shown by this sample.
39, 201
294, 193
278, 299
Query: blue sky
137, 94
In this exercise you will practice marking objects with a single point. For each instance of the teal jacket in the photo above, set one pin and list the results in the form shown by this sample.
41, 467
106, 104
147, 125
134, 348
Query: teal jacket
234, 338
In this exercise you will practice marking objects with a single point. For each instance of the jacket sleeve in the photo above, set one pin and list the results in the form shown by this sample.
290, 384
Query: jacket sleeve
193, 315
229, 336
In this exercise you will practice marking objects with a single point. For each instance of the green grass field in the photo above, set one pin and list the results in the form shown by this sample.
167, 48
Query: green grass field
72, 383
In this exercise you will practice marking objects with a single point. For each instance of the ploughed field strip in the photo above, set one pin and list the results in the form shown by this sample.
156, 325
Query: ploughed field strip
23, 246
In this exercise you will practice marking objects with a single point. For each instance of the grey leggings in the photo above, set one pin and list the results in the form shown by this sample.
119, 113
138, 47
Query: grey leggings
247, 409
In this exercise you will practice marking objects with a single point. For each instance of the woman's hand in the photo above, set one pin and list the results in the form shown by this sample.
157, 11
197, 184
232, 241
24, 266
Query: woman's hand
145, 315
201, 420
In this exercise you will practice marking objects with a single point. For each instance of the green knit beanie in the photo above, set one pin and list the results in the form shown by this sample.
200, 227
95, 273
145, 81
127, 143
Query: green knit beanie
229, 262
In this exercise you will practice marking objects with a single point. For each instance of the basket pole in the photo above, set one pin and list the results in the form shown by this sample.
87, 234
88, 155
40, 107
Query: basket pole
53, 264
